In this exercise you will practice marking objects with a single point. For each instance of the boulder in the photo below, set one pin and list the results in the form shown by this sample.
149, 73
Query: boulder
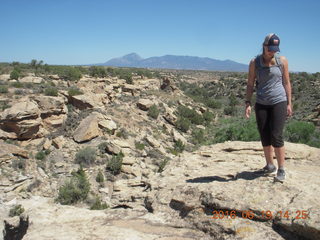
88, 129
144, 104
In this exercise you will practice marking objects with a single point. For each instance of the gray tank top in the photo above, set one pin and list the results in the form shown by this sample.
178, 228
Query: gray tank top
269, 86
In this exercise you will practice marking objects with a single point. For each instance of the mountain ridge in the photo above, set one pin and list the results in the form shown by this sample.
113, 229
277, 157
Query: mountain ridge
176, 62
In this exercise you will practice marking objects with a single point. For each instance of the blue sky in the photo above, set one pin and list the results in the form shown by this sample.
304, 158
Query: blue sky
94, 31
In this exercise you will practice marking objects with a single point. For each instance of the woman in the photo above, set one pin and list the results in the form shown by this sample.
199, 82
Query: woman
273, 101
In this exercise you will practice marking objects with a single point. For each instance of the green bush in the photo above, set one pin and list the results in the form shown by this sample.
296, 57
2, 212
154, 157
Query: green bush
162, 164
211, 103
153, 111
16, 210
178, 147
86, 156
100, 177
183, 124
73, 91
70, 74
17, 85
115, 163
3, 89
190, 114
95, 71
98, 205
139, 146
74, 190
236, 129
198, 136
15, 74
51, 91
302, 132
207, 116
102, 147
41, 155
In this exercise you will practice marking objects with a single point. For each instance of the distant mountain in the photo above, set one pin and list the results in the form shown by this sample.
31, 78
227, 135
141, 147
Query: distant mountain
176, 62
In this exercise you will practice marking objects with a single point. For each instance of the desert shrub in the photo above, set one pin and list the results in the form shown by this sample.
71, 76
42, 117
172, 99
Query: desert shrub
3, 89
73, 91
16, 210
198, 136
122, 133
74, 190
190, 114
15, 74
178, 147
139, 146
51, 91
230, 110
17, 85
183, 124
211, 103
102, 147
207, 116
19, 164
19, 92
41, 155
86, 156
100, 177
95, 71
236, 129
115, 163
302, 132
153, 111
98, 205
162, 164
34, 185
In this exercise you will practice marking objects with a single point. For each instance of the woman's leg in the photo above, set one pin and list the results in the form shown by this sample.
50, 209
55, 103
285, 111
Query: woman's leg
279, 115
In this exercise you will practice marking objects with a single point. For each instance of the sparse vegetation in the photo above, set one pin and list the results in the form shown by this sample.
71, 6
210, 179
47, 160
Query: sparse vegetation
16, 210
74, 190
153, 111
86, 156
115, 163
98, 205
73, 91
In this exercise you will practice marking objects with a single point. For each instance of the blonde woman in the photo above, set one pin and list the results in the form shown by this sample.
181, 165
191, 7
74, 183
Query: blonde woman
273, 101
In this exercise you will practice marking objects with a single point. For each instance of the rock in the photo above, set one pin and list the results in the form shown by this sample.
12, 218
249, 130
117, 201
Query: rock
152, 141
177, 136
16, 227
5, 77
145, 104
88, 129
128, 160
89, 100
22, 118
50, 105
31, 79
7, 135
110, 125
59, 142
10, 149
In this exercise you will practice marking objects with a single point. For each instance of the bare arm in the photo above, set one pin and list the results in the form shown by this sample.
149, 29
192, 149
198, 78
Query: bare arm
287, 84
250, 86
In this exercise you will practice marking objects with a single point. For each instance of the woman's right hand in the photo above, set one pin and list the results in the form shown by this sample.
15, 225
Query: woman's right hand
248, 111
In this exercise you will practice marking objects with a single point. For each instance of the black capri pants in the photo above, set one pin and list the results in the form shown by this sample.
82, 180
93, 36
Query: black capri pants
270, 121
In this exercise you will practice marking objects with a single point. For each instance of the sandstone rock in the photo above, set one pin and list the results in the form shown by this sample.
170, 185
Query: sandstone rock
50, 105
59, 142
22, 119
145, 104
89, 100
31, 79
5, 77
88, 129
7, 135
110, 125
10, 149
